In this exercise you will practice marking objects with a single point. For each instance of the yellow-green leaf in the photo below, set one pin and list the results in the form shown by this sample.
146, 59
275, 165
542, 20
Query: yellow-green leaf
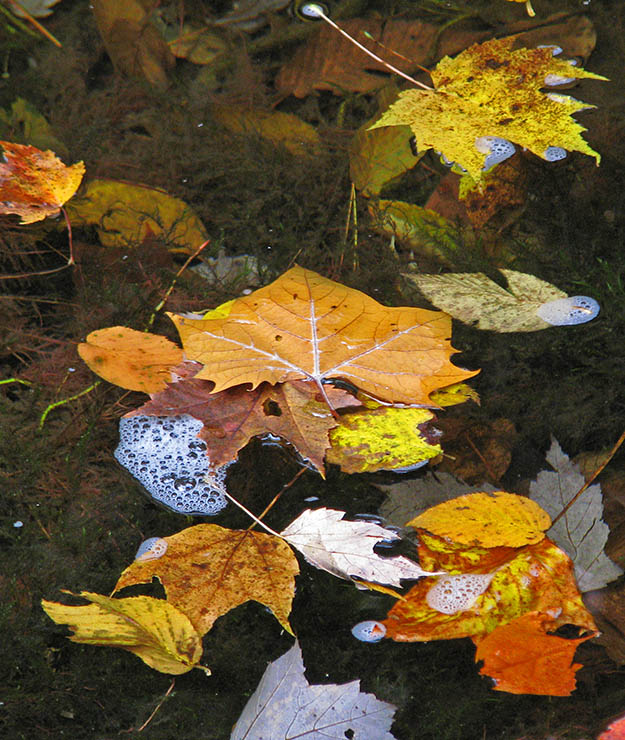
152, 629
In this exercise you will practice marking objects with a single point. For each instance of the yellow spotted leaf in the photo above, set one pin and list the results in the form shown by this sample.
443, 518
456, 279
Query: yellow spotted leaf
535, 577
487, 520
126, 215
385, 438
304, 325
208, 570
493, 89
153, 629
455, 394
136, 360
35, 184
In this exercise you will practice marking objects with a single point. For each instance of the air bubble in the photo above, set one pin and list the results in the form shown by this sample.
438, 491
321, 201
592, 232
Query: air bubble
151, 549
369, 631
577, 309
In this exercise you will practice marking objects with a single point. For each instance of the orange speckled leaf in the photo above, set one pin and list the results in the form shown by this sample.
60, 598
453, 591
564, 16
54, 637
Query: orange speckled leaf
487, 520
523, 659
533, 578
304, 326
35, 184
208, 570
132, 359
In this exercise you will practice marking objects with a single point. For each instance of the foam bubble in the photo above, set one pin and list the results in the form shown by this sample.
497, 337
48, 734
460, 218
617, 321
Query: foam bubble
577, 309
151, 549
554, 153
165, 455
452, 594
498, 149
369, 631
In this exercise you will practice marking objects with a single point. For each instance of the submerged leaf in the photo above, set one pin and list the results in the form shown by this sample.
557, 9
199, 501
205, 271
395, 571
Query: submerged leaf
581, 531
285, 707
153, 629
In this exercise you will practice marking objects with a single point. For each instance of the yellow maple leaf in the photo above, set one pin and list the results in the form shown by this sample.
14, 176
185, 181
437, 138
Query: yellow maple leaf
152, 629
304, 325
207, 570
493, 90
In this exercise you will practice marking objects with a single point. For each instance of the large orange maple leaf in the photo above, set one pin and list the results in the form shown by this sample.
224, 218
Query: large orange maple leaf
305, 326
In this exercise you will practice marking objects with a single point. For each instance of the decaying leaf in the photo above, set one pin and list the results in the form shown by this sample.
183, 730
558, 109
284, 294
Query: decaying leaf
22, 122
285, 129
35, 184
497, 519
475, 299
208, 570
493, 89
523, 659
126, 215
153, 629
304, 326
198, 45
285, 707
136, 360
385, 438
35, 8
581, 531
405, 500
345, 548
531, 578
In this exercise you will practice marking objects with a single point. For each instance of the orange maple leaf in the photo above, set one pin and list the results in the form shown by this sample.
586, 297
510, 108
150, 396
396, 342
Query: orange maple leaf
35, 184
523, 659
305, 326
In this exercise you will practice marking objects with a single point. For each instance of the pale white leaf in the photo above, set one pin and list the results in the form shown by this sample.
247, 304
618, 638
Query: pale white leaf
345, 548
36, 8
581, 532
285, 706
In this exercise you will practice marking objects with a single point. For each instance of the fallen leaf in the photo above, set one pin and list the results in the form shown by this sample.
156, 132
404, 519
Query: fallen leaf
614, 731
304, 326
126, 215
581, 532
35, 8
285, 129
285, 707
416, 227
24, 123
133, 43
492, 89
532, 578
385, 438
487, 520
523, 659
208, 570
345, 548
293, 411
136, 360
35, 184
154, 630
475, 299
330, 62
198, 45
407, 499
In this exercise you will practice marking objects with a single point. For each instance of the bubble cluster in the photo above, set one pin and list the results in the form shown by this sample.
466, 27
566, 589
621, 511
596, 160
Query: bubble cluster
498, 150
554, 153
151, 549
576, 309
369, 631
452, 594
165, 455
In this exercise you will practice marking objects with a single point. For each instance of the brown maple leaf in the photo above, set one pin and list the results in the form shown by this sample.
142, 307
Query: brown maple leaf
35, 184
305, 326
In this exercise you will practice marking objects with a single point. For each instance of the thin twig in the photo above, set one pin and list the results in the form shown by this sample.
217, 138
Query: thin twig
280, 492
158, 706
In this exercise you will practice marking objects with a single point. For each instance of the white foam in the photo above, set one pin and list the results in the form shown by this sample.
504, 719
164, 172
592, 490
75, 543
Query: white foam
554, 153
369, 631
151, 549
165, 455
577, 309
498, 149
452, 594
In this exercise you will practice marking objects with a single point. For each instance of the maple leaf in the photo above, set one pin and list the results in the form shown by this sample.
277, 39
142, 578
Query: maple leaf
136, 360
35, 184
154, 630
285, 706
232, 417
491, 89
581, 531
208, 570
345, 548
304, 326
523, 659
535, 577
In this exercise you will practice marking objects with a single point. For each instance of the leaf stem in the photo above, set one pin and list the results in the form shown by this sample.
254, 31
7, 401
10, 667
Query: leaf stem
249, 513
